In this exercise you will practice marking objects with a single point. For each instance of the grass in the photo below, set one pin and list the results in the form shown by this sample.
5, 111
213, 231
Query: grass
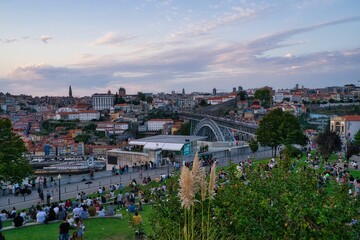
96, 229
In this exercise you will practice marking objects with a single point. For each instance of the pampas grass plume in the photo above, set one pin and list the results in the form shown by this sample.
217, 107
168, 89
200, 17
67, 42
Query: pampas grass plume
186, 192
212, 181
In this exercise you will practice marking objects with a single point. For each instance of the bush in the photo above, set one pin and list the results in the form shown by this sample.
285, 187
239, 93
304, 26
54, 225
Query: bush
293, 152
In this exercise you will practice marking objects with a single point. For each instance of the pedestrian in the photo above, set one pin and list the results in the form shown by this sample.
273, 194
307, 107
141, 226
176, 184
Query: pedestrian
48, 197
80, 228
64, 230
41, 195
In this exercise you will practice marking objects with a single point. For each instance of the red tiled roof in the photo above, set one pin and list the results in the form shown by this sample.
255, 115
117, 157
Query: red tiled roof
352, 117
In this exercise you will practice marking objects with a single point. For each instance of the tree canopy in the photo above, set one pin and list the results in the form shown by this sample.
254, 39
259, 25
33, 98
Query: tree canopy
261, 204
279, 127
264, 95
328, 142
13, 166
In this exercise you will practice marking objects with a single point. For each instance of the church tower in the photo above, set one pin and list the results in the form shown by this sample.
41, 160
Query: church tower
70, 92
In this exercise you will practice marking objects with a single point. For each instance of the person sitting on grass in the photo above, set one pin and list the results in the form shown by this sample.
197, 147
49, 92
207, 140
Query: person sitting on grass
101, 212
92, 210
111, 210
136, 219
41, 216
18, 221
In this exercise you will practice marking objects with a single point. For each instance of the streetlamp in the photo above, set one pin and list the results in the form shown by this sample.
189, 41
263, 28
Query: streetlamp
59, 178
168, 166
230, 156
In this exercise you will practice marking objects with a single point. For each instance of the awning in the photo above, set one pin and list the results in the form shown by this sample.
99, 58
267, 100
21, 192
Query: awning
172, 146
153, 146
137, 143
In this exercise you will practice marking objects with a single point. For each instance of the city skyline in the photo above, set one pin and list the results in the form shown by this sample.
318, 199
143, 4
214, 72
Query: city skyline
160, 46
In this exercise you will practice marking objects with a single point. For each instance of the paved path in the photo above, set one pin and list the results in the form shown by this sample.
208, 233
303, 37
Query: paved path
70, 190
104, 178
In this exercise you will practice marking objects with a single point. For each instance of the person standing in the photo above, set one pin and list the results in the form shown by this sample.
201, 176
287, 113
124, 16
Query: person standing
80, 228
64, 230
48, 197
41, 195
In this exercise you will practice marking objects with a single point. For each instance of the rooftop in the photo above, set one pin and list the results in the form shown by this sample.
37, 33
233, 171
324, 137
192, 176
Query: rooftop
181, 139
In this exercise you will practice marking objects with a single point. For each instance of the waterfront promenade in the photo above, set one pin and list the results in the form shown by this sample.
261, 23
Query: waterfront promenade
70, 187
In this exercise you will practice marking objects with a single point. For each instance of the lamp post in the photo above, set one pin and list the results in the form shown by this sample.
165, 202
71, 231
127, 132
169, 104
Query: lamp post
230, 156
59, 178
168, 166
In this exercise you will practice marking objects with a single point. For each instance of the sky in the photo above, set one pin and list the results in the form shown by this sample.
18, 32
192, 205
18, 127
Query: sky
167, 45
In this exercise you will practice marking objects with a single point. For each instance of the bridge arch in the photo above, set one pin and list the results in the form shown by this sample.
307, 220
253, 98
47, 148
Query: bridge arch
207, 122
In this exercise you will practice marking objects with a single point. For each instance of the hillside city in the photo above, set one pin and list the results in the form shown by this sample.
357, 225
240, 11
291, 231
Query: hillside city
54, 126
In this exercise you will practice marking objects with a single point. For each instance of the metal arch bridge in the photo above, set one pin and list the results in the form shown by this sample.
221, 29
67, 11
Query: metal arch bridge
218, 129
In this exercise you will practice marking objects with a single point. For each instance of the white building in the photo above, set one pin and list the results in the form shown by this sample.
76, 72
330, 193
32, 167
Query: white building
102, 101
346, 126
112, 127
157, 124
88, 115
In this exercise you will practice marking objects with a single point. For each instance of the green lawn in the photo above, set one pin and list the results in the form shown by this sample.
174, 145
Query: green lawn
96, 229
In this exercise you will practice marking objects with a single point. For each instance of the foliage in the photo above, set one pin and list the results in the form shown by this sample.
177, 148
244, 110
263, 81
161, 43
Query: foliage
185, 129
293, 152
254, 145
89, 128
82, 138
328, 142
13, 166
357, 138
243, 95
141, 96
203, 103
264, 95
352, 149
149, 99
279, 127
284, 205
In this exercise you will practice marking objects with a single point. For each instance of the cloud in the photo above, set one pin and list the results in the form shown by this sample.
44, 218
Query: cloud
113, 38
9, 40
45, 38
237, 14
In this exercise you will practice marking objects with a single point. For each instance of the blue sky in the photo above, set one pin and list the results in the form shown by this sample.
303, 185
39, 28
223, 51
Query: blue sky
163, 45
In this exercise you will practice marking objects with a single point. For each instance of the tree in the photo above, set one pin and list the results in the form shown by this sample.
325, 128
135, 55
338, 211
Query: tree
284, 205
279, 127
13, 166
328, 142
243, 95
141, 96
279, 204
149, 99
357, 138
264, 95
254, 145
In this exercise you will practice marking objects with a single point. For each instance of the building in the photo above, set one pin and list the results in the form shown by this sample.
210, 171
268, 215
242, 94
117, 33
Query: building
112, 127
347, 126
157, 124
102, 101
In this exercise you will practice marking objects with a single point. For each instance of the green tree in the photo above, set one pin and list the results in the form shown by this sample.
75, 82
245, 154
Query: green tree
264, 95
357, 138
328, 142
184, 129
279, 127
243, 95
254, 145
285, 205
13, 166
82, 138
141, 96
149, 99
